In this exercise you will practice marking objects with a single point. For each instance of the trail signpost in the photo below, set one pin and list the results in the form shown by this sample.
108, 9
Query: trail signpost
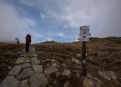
84, 36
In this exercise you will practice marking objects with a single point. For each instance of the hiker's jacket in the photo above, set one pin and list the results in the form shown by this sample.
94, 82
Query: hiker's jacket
28, 39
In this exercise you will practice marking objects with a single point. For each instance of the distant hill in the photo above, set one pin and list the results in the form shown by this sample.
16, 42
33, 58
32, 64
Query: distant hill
8, 42
50, 42
112, 39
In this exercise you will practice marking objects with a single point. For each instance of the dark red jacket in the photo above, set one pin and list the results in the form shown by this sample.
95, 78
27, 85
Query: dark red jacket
28, 39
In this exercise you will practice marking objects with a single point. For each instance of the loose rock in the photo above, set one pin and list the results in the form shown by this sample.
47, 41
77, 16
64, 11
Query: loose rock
78, 55
63, 64
107, 74
66, 73
67, 84
50, 70
89, 81
76, 61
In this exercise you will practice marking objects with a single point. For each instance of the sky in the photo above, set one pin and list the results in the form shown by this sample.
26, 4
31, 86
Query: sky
58, 20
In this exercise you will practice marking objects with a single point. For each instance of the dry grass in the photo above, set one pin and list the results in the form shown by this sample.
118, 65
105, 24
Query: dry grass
101, 55
6, 62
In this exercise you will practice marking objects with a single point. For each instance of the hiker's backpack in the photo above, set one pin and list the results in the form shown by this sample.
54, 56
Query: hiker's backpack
28, 38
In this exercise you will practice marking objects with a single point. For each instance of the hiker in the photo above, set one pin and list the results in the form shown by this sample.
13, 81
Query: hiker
28, 41
17, 40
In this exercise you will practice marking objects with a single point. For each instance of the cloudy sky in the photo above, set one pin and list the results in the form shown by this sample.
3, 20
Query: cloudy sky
58, 20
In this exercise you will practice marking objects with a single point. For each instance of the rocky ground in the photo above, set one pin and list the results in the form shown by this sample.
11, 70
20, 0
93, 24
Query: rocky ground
59, 65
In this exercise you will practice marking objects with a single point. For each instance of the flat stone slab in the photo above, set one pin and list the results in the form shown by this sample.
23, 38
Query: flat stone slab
24, 83
26, 65
22, 55
37, 68
10, 81
34, 59
36, 62
15, 71
50, 70
38, 80
34, 55
27, 72
20, 60
27, 61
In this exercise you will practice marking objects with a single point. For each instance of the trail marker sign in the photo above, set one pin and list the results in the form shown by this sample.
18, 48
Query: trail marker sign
84, 31
84, 34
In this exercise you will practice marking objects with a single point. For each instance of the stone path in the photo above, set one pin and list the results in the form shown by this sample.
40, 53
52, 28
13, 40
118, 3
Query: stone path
27, 72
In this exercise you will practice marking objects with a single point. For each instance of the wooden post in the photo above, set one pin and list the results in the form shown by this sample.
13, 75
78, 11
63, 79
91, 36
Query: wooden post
84, 71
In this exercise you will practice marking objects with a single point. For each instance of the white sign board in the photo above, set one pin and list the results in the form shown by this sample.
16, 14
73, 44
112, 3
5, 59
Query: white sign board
83, 39
84, 31
84, 34
84, 27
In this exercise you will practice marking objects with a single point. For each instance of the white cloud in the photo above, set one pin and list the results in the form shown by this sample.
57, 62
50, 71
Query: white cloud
43, 16
56, 35
49, 39
29, 22
76, 39
27, 2
39, 35
60, 35
12, 25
